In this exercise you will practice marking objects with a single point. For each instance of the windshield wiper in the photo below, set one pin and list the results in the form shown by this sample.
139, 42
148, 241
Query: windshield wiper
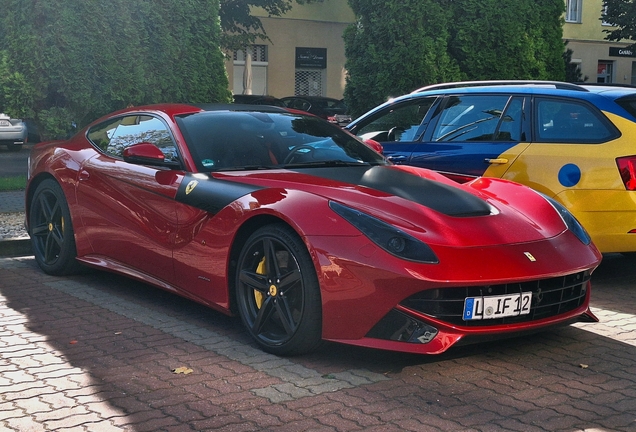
248, 168
328, 163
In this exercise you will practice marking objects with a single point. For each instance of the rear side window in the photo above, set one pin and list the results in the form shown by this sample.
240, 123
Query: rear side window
629, 104
567, 121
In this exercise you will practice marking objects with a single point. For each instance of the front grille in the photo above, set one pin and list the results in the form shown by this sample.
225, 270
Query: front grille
550, 297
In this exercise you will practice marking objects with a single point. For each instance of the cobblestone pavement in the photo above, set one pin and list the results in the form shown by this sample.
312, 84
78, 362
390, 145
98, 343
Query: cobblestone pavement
98, 352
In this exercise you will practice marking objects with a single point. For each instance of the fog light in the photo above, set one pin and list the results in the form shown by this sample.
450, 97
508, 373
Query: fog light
397, 326
424, 333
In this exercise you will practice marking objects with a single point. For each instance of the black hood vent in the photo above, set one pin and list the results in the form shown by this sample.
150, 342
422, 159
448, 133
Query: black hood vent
440, 197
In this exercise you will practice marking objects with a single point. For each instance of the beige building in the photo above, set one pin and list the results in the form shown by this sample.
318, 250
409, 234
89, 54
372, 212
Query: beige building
305, 55
600, 60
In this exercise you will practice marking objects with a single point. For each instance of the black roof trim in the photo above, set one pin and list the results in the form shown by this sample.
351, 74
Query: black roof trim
557, 84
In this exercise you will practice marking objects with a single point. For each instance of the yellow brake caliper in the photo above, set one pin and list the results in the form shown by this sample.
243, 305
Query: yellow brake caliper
258, 296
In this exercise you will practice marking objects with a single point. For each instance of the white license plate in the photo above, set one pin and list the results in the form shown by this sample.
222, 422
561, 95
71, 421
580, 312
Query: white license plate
501, 306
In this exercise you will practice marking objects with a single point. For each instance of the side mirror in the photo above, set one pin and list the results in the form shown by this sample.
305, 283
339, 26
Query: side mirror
374, 145
146, 153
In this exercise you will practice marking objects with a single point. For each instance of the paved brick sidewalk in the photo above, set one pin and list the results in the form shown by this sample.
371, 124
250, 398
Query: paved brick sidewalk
100, 353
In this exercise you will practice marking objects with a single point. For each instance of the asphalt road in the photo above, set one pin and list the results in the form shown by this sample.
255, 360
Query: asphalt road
13, 164
99, 352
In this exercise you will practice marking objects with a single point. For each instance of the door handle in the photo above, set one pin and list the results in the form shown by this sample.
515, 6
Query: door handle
397, 158
497, 161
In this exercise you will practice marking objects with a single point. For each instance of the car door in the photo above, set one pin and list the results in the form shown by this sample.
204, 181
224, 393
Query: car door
570, 138
128, 210
474, 135
398, 127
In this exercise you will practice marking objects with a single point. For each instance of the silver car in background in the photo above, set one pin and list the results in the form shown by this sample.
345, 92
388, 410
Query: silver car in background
13, 132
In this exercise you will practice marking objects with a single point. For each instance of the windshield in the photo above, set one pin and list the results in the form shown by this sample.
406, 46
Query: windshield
235, 140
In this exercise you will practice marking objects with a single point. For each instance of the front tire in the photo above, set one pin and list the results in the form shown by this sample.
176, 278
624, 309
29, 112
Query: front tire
51, 230
277, 292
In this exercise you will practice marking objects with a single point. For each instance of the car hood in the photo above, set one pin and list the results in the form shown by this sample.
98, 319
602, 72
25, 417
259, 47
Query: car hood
426, 204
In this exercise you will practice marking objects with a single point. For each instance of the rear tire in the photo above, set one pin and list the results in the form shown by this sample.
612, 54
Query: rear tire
277, 292
14, 147
51, 230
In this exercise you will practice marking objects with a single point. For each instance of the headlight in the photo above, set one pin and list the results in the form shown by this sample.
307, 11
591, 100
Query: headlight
389, 238
570, 221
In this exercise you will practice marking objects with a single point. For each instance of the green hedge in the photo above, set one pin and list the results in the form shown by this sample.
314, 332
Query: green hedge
80, 59
398, 46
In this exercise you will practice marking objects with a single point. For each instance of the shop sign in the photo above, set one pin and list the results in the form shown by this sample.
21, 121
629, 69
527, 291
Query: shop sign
621, 52
311, 58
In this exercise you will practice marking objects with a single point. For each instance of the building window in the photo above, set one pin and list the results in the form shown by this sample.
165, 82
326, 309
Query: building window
259, 54
573, 11
605, 71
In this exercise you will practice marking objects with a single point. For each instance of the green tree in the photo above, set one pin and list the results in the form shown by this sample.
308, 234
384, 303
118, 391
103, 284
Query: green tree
520, 40
395, 47
572, 70
80, 59
241, 28
622, 15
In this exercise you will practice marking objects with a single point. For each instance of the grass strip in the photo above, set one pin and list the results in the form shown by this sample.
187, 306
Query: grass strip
12, 183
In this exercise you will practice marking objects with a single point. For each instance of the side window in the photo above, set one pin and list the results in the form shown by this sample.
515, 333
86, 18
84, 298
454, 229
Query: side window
138, 128
400, 123
561, 120
470, 118
101, 134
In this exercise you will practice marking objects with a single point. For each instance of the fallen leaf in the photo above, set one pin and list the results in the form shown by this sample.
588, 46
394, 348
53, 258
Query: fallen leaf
182, 370
583, 366
73, 342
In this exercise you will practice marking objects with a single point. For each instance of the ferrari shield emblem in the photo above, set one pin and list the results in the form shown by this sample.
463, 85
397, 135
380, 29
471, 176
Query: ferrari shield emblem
190, 187
527, 254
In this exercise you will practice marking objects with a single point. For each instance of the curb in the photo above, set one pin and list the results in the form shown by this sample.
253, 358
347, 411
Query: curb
16, 247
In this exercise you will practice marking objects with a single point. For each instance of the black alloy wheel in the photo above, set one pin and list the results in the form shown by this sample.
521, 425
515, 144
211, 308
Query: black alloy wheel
51, 230
278, 293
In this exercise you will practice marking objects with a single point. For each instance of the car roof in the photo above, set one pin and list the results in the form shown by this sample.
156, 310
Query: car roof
505, 83
240, 107
583, 91
177, 109
614, 91
611, 90
602, 95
